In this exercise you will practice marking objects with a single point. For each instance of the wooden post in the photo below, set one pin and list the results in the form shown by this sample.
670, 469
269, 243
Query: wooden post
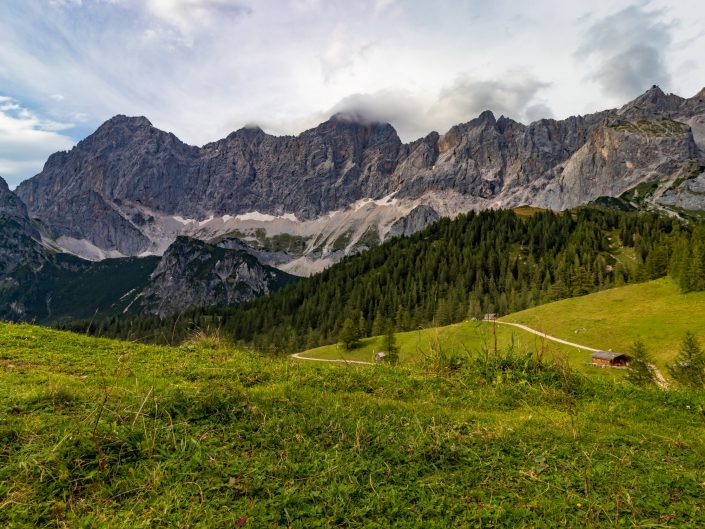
494, 328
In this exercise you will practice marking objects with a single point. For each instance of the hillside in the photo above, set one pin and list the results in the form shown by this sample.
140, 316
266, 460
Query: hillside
420, 348
656, 312
59, 287
493, 261
103, 433
65, 287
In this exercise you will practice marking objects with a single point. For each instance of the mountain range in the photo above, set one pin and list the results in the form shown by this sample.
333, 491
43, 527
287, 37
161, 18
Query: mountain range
301, 203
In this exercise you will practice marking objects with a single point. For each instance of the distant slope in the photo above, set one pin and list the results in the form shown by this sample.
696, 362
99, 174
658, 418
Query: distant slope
66, 287
191, 274
424, 346
101, 433
657, 312
492, 261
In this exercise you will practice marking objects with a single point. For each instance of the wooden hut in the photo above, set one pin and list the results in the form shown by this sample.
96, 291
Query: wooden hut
610, 359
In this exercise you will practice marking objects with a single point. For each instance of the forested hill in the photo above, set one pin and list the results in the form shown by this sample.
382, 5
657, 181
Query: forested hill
493, 261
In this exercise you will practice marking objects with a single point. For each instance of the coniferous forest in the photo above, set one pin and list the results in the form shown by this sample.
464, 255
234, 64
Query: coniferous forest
489, 262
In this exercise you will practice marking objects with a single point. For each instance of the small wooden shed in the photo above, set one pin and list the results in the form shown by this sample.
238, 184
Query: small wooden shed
610, 359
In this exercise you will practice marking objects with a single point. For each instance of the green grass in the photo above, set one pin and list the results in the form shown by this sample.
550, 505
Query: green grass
661, 127
419, 348
99, 433
527, 211
656, 312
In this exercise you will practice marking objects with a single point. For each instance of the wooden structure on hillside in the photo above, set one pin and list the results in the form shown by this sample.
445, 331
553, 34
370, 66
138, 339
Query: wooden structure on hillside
610, 359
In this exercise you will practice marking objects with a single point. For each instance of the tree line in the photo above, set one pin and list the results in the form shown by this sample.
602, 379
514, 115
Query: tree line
493, 261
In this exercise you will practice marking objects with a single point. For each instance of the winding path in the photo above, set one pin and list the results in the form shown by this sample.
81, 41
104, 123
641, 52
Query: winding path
340, 361
544, 335
658, 376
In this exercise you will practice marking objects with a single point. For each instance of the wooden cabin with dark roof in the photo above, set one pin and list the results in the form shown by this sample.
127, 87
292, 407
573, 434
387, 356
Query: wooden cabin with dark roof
610, 359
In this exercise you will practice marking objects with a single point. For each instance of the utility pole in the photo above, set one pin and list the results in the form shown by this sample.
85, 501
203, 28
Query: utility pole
494, 328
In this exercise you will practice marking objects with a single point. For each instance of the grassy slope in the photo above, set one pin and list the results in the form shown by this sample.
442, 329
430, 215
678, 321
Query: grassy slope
416, 347
657, 312
99, 433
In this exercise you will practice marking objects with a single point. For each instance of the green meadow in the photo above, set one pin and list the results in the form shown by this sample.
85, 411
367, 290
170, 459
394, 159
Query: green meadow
655, 312
107, 434
423, 346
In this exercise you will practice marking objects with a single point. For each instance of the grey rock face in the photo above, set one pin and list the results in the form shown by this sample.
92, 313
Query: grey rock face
617, 157
192, 273
11, 207
19, 239
266, 257
416, 220
96, 190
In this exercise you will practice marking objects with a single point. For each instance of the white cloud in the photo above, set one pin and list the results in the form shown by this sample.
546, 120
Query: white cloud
629, 50
190, 15
62, 3
202, 68
380, 6
415, 113
512, 94
343, 50
26, 141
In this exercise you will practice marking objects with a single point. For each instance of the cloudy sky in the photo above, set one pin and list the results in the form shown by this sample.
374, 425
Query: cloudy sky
203, 68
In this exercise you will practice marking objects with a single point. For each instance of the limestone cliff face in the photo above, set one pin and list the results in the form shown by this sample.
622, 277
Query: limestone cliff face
192, 273
617, 157
132, 188
416, 220
19, 239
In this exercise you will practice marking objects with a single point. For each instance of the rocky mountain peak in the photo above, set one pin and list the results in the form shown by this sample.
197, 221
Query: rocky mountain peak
194, 273
486, 117
123, 130
652, 103
655, 91
353, 121
247, 133
12, 208
10, 204
504, 123
132, 122
351, 117
18, 238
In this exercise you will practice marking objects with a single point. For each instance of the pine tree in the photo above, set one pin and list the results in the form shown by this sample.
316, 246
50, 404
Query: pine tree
378, 324
361, 326
390, 345
640, 371
348, 336
689, 367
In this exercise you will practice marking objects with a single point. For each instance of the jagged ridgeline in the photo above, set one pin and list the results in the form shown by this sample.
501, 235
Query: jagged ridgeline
337, 189
494, 261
